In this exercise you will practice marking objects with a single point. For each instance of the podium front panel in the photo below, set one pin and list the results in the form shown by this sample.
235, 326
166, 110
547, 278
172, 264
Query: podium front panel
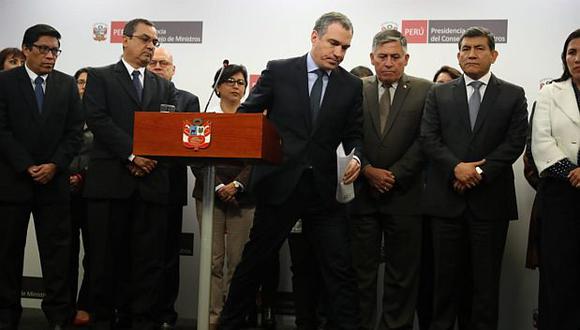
182, 134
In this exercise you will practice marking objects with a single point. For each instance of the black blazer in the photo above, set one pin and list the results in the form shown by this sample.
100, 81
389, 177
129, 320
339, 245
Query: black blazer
283, 90
499, 136
28, 137
110, 101
397, 149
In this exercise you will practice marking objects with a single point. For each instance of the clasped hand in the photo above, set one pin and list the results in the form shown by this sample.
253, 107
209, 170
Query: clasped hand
42, 173
466, 175
380, 179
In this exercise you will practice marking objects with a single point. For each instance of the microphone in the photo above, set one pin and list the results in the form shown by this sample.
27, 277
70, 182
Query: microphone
213, 87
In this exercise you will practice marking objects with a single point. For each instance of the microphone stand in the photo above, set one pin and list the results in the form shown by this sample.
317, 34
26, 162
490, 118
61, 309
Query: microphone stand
213, 89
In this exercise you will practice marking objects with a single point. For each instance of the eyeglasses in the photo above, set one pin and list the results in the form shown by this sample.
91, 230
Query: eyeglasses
147, 39
81, 82
231, 82
45, 49
161, 63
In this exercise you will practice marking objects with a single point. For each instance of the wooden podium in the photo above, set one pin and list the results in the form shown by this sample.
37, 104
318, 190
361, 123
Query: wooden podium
248, 137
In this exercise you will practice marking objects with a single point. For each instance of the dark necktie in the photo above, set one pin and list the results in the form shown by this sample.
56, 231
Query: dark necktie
385, 106
316, 95
474, 102
39, 92
137, 84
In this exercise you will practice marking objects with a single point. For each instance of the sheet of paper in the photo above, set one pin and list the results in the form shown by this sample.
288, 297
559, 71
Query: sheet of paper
344, 192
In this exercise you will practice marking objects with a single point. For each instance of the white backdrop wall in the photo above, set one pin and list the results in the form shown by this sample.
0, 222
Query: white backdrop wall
252, 32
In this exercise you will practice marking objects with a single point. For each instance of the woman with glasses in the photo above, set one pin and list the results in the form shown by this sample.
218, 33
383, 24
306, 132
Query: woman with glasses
234, 209
11, 58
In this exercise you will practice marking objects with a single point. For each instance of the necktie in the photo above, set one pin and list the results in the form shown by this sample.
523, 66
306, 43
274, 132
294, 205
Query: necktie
316, 95
474, 102
385, 106
137, 84
39, 92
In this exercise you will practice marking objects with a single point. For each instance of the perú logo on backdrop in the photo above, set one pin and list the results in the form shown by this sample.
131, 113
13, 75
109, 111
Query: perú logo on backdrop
416, 31
100, 31
438, 31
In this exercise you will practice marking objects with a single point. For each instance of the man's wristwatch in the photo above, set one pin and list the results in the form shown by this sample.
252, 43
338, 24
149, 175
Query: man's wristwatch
237, 185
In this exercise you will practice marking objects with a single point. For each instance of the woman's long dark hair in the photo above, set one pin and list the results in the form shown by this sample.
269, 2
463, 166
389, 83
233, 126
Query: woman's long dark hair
566, 74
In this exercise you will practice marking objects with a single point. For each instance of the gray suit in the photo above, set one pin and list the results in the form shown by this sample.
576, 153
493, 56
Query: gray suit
394, 213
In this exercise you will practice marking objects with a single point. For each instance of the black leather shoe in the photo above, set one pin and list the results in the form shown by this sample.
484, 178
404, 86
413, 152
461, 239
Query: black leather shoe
6, 326
166, 326
268, 319
122, 322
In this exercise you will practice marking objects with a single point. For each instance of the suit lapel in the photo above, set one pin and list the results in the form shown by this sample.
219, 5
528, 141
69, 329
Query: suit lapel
148, 89
489, 98
27, 91
401, 93
371, 99
125, 81
461, 106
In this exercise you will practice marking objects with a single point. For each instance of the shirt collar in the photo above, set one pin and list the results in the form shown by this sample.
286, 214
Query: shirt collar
130, 68
311, 65
32, 75
484, 79
393, 85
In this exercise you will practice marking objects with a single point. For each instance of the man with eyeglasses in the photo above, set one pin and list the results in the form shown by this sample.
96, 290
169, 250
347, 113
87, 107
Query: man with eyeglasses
128, 194
162, 65
40, 131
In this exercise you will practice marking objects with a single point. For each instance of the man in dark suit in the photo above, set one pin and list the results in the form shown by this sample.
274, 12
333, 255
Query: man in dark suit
473, 130
388, 192
315, 105
40, 131
128, 194
162, 65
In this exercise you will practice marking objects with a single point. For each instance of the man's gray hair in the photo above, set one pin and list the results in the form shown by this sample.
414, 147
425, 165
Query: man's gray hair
389, 36
325, 20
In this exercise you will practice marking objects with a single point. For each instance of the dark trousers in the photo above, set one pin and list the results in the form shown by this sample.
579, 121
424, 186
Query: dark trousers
327, 231
127, 240
425, 298
53, 235
402, 237
467, 254
78, 211
559, 299
306, 282
170, 288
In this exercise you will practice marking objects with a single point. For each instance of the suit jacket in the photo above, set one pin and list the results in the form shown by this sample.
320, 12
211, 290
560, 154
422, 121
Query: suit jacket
29, 137
499, 136
283, 90
110, 101
224, 174
396, 149
556, 125
186, 102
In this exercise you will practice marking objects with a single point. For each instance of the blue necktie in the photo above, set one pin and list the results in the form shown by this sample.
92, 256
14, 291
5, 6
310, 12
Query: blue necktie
316, 95
39, 92
474, 102
137, 84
